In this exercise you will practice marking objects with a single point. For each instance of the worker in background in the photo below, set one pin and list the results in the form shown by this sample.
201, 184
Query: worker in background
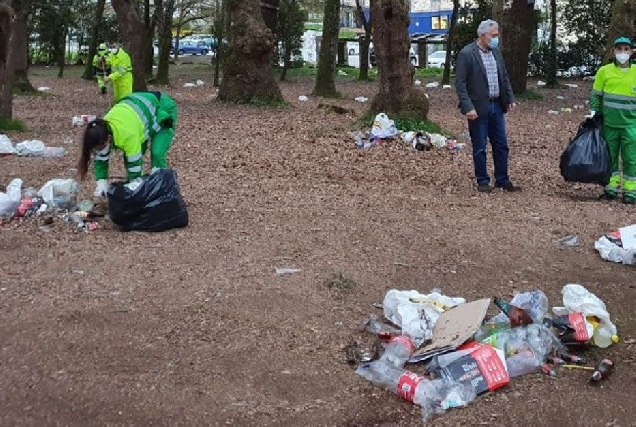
121, 72
101, 66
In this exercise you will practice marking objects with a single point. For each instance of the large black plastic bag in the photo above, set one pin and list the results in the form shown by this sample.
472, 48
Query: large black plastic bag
154, 205
586, 158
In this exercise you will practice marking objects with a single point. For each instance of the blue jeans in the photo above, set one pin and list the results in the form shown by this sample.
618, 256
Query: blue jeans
481, 129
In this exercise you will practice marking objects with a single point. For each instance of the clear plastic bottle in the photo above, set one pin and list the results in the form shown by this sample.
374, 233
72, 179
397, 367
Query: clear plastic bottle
433, 396
398, 351
54, 152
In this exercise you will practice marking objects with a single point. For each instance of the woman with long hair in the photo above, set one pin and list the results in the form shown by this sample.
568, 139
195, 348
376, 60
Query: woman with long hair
133, 122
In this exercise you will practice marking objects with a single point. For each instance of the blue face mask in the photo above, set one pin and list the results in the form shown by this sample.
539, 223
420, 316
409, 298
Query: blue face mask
494, 42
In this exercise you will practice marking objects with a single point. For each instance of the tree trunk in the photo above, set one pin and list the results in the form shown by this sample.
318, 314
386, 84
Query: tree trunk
551, 75
61, 53
517, 24
326, 77
92, 47
19, 50
247, 75
164, 30
450, 44
149, 25
621, 24
132, 31
6, 87
397, 95
220, 30
269, 10
364, 42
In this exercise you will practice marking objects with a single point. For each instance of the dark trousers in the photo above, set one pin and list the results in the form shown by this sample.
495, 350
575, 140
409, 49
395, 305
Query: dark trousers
492, 127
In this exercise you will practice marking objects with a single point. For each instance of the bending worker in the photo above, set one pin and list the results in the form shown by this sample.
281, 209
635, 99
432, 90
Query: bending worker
101, 66
121, 76
136, 120
614, 95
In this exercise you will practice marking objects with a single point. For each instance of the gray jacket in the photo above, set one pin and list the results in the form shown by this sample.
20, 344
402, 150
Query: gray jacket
471, 82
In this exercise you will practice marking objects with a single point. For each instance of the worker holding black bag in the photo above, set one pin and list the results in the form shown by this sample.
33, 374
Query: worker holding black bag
614, 95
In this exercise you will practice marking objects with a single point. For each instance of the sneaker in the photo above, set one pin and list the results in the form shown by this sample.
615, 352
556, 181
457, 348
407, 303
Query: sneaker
103, 91
608, 195
484, 188
629, 200
509, 187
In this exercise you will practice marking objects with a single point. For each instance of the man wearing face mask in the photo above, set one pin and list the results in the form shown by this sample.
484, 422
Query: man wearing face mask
485, 95
121, 75
614, 95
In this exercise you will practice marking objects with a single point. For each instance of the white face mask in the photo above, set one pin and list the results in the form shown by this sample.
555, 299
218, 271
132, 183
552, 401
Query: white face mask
113, 50
622, 57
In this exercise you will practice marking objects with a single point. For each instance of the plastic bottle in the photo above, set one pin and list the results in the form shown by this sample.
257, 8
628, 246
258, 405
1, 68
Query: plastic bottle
517, 316
489, 329
381, 329
524, 362
398, 351
54, 152
433, 396
603, 370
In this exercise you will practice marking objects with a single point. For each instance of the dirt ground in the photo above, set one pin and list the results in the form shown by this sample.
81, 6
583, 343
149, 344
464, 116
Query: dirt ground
194, 327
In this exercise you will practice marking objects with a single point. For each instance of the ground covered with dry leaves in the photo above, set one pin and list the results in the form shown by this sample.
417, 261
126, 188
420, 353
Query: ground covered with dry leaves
194, 327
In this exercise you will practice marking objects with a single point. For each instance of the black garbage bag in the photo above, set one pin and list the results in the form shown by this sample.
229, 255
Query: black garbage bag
586, 158
151, 203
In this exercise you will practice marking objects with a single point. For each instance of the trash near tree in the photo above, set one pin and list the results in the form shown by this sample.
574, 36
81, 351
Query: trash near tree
618, 246
464, 356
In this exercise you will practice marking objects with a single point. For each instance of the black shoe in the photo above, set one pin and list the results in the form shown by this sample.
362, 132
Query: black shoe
608, 195
103, 91
629, 200
509, 187
484, 188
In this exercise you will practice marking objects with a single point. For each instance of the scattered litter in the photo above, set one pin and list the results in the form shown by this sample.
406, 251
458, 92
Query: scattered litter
342, 73
541, 83
36, 148
611, 246
189, 85
570, 240
432, 84
303, 98
361, 99
439, 141
200, 82
446, 87
426, 95
566, 109
464, 357
284, 270
60, 193
560, 97
82, 119
571, 85
417, 82
383, 127
579, 107
44, 89
10, 201
6, 146
553, 112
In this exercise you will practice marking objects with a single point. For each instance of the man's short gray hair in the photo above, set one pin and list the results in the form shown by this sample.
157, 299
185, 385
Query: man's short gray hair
486, 26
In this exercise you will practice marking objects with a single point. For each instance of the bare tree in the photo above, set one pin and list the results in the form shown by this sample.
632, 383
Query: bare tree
164, 13
92, 47
269, 10
518, 23
551, 75
17, 62
397, 95
450, 43
6, 86
134, 39
326, 77
364, 42
621, 24
247, 75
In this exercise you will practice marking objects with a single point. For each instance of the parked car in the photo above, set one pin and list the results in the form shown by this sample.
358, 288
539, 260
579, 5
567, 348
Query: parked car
436, 59
193, 47
412, 56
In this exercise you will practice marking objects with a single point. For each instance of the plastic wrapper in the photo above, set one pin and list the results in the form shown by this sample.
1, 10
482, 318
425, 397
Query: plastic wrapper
150, 203
586, 158
60, 193
10, 201
6, 146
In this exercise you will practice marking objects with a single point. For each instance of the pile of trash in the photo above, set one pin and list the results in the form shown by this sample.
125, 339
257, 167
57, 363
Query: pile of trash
462, 356
58, 197
618, 246
384, 129
29, 148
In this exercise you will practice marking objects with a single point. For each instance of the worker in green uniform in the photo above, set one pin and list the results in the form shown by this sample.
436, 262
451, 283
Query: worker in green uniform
137, 120
121, 75
101, 66
614, 95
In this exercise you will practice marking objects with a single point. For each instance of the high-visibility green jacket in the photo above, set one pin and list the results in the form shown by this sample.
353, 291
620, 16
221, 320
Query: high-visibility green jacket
101, 62
120, 64
134, 120
614, 94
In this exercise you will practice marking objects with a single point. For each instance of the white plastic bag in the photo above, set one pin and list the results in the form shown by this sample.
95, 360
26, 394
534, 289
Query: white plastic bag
59, 192
6, 146
383, 127
10, 201
610, 251
577, 299
416, 313
31, 148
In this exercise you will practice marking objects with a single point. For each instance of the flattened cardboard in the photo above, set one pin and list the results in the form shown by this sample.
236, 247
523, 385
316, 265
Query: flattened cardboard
456, 326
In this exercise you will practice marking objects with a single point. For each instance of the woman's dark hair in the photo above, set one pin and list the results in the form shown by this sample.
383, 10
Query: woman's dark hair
95, 135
